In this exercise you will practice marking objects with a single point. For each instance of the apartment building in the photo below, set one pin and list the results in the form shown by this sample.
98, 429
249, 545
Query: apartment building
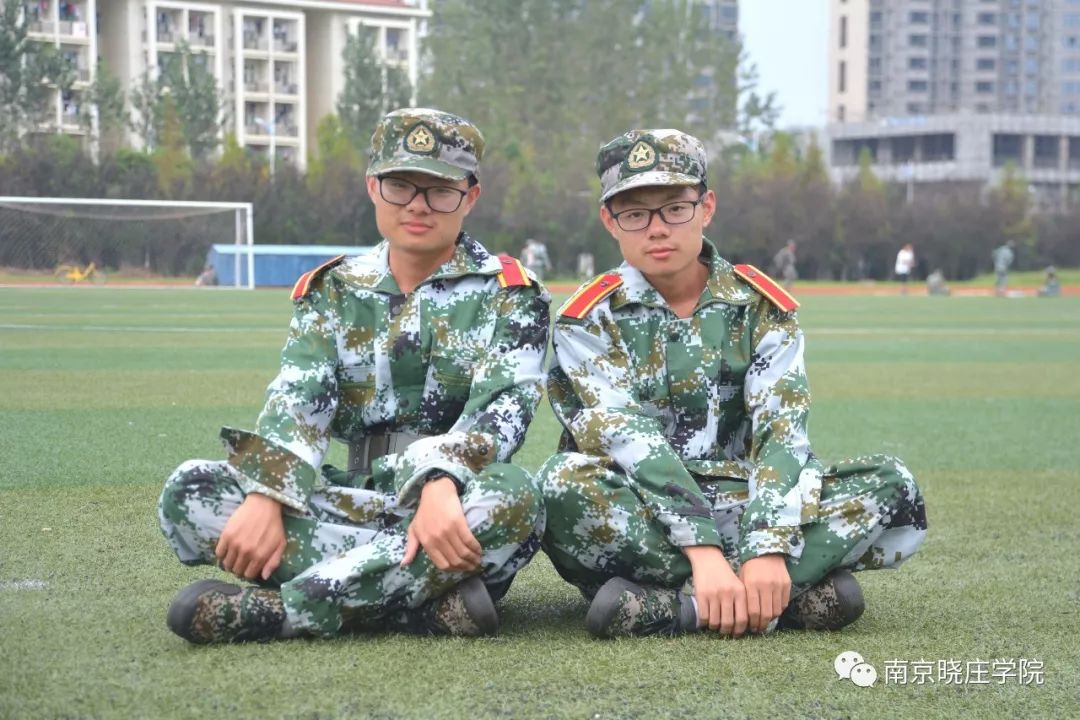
901, 58
278, 63
955, 90
69, 26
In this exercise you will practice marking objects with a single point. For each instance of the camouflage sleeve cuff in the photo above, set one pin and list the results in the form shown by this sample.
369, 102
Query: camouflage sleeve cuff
458, 454
772, 541
689, 531
269, 469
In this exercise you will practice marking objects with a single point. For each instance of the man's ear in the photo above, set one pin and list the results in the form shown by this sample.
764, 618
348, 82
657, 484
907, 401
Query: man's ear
609, 221
372, 187
708, 204
471, 197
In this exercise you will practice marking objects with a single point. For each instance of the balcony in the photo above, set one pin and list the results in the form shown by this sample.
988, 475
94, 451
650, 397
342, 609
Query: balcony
253, 41
166, 35
42, 27
286, 88
201, 41
284, 45
256, 86
73, 29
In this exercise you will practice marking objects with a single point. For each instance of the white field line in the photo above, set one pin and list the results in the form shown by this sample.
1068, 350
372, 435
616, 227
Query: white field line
23, 585
899, 332
138, 329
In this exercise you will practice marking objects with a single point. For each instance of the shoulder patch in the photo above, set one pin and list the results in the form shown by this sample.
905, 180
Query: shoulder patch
768, 287
512, 273
589, 294
303, 284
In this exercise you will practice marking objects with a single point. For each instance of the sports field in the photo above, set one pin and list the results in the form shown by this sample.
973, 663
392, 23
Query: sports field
104, 391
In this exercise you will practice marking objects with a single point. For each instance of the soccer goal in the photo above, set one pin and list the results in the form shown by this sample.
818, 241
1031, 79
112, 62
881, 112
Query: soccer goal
149, 242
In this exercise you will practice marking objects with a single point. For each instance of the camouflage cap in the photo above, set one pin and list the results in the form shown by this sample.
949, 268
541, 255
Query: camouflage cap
650, 157
427, 141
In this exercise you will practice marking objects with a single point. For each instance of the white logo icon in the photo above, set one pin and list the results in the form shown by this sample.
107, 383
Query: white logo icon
845, 661
850, 665
864, 675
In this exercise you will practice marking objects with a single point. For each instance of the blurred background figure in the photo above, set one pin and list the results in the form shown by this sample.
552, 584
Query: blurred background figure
784, 264
905, 263
935, 284
586, 266
1051, 287
207, 277
535, 257
1003, 260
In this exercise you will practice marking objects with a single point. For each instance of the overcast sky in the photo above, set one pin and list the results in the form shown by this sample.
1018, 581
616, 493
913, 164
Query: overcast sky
787, 41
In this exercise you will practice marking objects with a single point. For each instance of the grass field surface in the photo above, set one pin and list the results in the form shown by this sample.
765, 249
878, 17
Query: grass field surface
103, 392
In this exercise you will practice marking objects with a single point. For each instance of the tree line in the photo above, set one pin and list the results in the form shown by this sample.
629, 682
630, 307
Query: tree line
548, 82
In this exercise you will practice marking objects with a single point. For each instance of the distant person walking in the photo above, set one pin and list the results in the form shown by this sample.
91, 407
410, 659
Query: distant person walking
535, 258
784, 264
1003, 260
905, 263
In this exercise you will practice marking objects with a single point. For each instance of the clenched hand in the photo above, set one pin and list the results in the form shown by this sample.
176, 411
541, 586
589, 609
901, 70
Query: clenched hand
253, 540
440, 528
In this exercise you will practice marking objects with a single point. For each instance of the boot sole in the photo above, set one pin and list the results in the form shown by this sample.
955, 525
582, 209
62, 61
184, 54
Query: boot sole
479, 605
182, 610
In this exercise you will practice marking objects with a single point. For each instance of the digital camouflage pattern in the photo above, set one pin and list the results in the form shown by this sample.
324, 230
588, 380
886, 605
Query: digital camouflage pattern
650, 157
427, 141
693, 432
459, 360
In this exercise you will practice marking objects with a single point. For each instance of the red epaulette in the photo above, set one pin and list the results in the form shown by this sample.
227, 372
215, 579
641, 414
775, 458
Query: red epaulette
513, 273
303, 283
592, 292
768, 287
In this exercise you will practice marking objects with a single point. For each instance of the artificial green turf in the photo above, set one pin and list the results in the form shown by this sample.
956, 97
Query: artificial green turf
103, 392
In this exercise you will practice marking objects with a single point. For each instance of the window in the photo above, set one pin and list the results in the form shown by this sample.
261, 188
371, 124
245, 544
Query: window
840, 113
985, 64
841, 77
986, 18
915, 108
919, 18
986, 41
984, 86
1031, 66
917, 63
920, 41
1071, 65
843, 31
917, 86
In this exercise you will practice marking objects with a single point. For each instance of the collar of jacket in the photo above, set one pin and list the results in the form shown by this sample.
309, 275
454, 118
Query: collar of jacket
722, 284
372, 270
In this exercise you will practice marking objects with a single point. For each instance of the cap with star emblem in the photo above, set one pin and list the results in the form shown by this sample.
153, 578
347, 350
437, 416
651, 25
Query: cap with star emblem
427, 141
650, 157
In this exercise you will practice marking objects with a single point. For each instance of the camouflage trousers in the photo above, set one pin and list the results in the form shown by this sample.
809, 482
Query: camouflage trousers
340, 571
871, 515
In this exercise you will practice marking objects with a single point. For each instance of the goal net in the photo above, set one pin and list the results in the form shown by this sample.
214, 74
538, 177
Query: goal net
148, 241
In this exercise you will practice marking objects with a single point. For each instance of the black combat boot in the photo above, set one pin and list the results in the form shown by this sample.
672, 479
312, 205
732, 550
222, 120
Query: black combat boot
211, 611
833, 603
622, 608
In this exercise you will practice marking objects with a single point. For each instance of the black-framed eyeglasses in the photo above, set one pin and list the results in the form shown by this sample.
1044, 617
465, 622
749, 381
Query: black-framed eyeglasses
440, 198
673, 213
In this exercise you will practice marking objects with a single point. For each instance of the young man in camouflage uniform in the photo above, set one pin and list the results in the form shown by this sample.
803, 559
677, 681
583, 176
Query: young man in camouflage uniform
426, 357
688, 495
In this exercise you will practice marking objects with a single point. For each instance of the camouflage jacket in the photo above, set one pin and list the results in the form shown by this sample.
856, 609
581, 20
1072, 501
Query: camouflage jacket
674, 402
460, 358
